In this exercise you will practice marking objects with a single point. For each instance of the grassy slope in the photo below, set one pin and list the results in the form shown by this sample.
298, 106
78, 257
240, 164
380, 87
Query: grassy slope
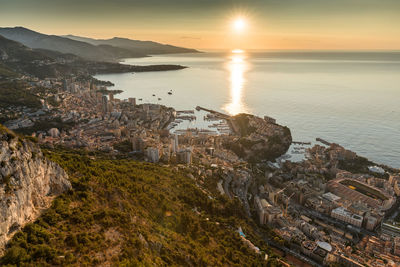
125, 212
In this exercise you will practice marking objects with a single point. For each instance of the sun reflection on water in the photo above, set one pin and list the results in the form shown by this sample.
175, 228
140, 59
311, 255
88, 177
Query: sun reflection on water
237, 67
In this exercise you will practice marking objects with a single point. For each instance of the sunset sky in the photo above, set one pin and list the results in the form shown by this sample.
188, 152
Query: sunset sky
208, 24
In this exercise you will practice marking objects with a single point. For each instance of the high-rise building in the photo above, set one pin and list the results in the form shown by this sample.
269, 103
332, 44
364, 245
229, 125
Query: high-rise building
104, 104
184, 156
371, 222
132, 100
137, 144
173, 146
176, 143
65, 84
166, 153
152, 154
266, 212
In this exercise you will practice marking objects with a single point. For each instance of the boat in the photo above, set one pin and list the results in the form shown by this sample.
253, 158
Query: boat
154, 95
159, 98
170, 93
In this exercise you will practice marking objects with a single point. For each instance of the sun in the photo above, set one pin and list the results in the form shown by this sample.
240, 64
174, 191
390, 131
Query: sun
239, 24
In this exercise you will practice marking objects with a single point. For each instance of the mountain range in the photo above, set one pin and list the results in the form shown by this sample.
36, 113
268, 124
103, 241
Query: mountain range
87, 48
144, 47
16, 59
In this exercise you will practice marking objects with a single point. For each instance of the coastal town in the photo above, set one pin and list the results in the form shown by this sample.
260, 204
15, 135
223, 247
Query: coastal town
332, 207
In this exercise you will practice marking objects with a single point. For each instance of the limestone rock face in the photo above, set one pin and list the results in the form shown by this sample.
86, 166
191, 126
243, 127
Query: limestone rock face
28, 183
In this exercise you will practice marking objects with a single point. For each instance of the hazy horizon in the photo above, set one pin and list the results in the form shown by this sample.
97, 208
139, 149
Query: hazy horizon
213, 133
210, 49
282, 25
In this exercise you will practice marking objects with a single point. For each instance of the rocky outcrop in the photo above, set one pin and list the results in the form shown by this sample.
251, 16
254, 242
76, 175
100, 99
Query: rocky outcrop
28, 183
258, 139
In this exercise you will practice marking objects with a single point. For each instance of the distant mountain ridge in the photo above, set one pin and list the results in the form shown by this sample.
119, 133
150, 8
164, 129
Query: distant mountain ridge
17, 51
146, 47
16, 59
84, 49
34, 39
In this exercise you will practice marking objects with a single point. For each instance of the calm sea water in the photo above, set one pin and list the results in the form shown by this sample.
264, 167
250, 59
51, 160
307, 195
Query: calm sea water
349, 98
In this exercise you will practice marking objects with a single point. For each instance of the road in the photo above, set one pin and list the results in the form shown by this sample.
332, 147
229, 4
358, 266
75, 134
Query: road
291, 252
332, 221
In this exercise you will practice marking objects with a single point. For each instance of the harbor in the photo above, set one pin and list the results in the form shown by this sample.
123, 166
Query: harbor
200, 121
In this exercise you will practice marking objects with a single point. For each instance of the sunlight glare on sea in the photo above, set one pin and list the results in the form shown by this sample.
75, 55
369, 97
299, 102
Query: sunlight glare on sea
350, 98
237, 67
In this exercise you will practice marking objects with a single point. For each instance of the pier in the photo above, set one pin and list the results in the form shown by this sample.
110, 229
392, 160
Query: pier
185, 111
222, 115
301, 143
323, 141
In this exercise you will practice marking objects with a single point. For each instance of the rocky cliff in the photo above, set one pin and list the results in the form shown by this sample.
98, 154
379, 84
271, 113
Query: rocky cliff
28, 183
258, 139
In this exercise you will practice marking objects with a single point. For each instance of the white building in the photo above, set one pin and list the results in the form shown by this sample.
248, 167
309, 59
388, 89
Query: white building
54, 132
331, 197
344, 215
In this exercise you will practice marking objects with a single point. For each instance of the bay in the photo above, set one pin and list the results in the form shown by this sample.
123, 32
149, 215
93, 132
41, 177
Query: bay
350, 98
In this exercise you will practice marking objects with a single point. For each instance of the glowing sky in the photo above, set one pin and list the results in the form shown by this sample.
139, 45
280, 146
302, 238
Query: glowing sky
270, 24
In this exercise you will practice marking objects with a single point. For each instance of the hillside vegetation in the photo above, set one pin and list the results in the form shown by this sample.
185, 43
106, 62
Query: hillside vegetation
16, 94
123, 212
6, 72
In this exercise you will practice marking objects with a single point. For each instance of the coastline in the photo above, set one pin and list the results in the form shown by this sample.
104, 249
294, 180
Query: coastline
277, 94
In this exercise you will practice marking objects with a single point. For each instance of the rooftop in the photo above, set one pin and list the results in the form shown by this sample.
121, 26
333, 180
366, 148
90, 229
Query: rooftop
331, 197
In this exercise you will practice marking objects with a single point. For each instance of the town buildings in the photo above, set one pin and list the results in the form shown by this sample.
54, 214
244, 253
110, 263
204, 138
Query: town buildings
346, 216
328, 214
266, 212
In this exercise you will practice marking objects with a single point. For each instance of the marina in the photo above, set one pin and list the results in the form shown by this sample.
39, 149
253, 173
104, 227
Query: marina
322, 101
199, 121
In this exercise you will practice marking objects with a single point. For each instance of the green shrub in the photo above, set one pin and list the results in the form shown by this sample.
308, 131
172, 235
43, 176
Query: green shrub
14, 256
140, 211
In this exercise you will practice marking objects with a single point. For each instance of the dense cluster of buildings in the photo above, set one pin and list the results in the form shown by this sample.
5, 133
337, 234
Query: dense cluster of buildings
323, 212
322, 204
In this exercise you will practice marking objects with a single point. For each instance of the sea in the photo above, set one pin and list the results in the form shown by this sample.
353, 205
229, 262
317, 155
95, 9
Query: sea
348, 97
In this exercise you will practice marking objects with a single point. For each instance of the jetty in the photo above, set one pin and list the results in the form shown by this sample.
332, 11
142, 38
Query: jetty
185, 111
323, 141
301, 143
220, 114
